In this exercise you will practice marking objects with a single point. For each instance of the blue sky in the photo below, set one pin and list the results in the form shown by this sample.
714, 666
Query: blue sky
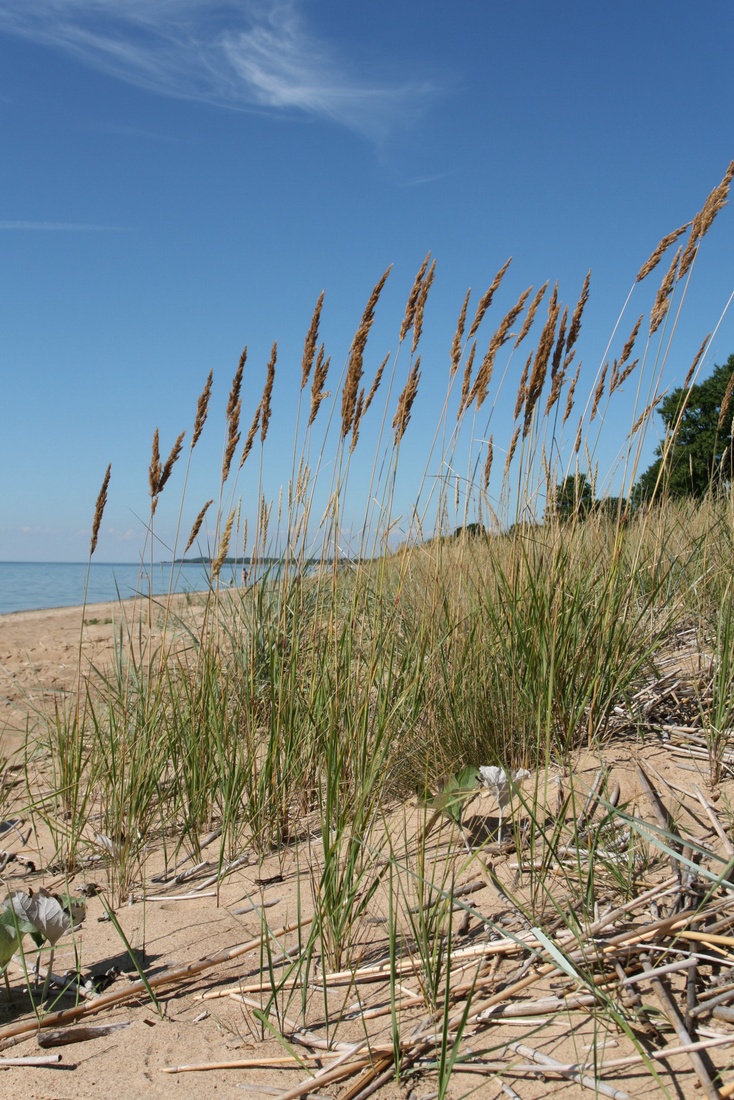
181, 178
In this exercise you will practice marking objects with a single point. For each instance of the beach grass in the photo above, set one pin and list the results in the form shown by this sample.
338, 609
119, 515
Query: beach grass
326, 707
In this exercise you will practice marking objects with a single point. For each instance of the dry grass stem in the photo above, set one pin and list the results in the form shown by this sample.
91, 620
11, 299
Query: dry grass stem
659, 252
250, 439
420, 307
620, 376
171, 461
488, 465
197, 526
725, 403
466, 381
522, 388
155, 469
412, 303
511, 452
530, 315
265, 404
696, 361
318, 393
575, 327
501, 336
223, 546
571, 392
662, 299
458, 337
486, 301
599, 391
405, 401
355, 366
309, 347
234, 393
99, 510
558, 372
202, 409
703, 221
644, 415
542, 356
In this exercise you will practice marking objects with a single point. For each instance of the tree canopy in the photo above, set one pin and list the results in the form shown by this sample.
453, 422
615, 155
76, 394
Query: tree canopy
700, 455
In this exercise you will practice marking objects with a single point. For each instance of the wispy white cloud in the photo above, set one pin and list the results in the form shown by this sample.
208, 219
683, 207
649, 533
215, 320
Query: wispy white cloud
75, 227
245, 54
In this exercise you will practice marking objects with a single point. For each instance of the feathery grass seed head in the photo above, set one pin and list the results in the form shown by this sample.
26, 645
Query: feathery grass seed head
659, 252
265, 409
458, 337
662, 299
202, 408
99, 510
405, 401
486, 301
197, 526
412, 303
356, 357
530, 315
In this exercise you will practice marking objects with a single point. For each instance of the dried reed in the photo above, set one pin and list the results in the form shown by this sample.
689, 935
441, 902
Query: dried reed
659, 252
530, 315
202, 409
99, 510
511, 452
703, 221
356, 357
571, 392
486, 301
420, 307
318, 393
599, 391
725, 403
662, 299
575, 327
412, 303
522, 388
265, 404
405, 401
155, 469
501, 336
694, 364
488, 465
249, 441
171, 461
466, 381
223, 546
309, 347
458, 337
540, 365
197, 526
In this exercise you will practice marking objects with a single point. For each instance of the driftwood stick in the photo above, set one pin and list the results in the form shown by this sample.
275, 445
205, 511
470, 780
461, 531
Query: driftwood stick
573, 1074
177, 976
701, 1063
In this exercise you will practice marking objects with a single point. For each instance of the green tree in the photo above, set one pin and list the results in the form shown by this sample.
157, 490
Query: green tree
699, 457
574, 497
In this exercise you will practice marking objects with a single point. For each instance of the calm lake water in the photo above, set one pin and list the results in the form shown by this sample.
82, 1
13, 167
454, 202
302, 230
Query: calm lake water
32, 586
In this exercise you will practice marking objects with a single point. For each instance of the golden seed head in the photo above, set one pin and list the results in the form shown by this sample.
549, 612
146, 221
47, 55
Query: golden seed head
202, 408
486, 301
318, 393
249, 441
420, 307
356, 357
223, 547
458, 336
598, 392
265, 403
405, 401
196, 527
155, 469
569, 397
662, 299
309, 347
575, 327
412, 302
99, 510
659, 252
530, 315
694, 364
171, 461
488, 465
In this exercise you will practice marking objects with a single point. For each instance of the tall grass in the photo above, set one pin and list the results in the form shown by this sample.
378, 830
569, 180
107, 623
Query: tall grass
297, 709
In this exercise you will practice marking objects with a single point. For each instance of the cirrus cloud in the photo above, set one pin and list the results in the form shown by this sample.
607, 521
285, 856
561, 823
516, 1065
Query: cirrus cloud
249, 54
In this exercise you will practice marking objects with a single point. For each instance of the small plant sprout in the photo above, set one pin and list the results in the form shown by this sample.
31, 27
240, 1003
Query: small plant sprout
501, 783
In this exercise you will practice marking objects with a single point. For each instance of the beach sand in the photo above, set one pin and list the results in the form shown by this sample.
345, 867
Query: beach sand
176, 925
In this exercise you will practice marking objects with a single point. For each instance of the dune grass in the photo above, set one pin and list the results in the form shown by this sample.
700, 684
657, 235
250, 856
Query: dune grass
296, 712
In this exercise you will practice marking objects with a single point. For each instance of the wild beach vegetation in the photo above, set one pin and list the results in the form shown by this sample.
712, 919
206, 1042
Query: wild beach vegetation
335, 709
